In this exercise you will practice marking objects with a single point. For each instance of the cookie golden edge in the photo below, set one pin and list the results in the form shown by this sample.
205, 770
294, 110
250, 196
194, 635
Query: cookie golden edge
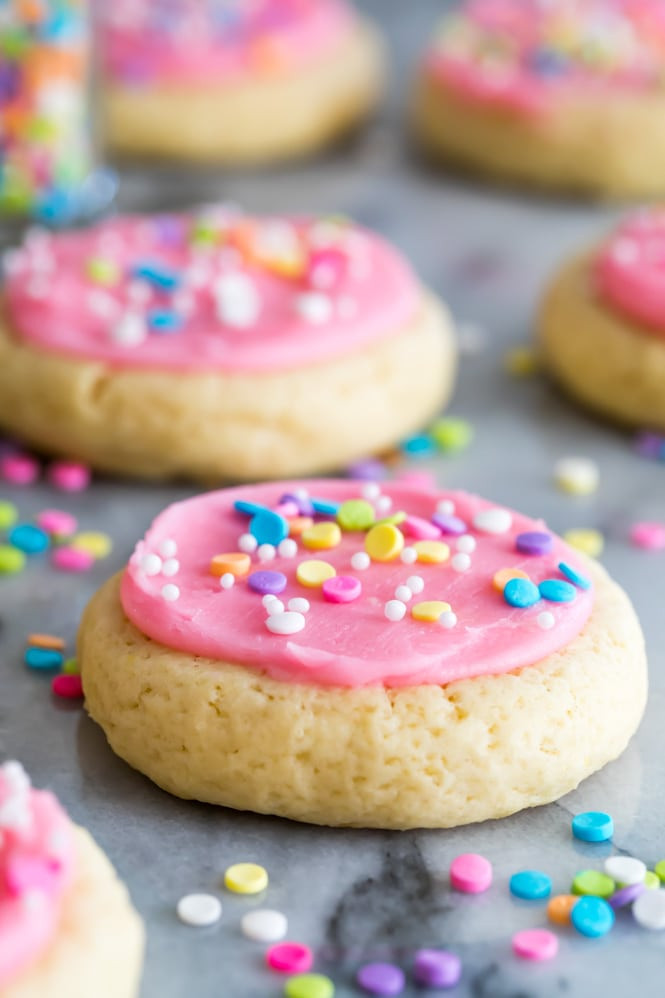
215, 426
258, 121
411, 757
99, 944
599, 357
603, 148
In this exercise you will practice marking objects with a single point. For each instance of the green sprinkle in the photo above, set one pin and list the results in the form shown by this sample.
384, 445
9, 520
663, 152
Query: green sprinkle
70, 667
451, 435
593, 882
652, 880
309, 986
8, 514
395, 519
102, 271
11, 560
355, 514
659, 869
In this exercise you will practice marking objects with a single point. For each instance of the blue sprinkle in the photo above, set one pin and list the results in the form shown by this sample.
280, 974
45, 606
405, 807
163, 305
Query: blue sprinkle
592, 916
43, 658
250, 508
521, 593
268, 527
531, 885
164, 320
325, 506
593, 826
546, 62
573, 576
419, 445
28, 538
158, 275
557, 591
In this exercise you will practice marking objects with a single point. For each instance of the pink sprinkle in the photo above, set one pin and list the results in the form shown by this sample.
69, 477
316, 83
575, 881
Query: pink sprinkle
648, 535
57, 523
535, 944
422, 530
290, 958
69, 476
342, 589
417, 479
69, 559
470, 873
67, 686
30, 873
287, 509
19, 469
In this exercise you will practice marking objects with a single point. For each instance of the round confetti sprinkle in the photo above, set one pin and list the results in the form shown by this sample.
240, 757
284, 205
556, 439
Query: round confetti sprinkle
355, 514
557, 591
578, 580
28, 538
381, 979
43, 658
288, 622
504, 575
55, 522
361, 561
69, 476
71, 559
534, 542
264, 925
321, 536
246, 878
313, 573
531, 885
471, 873
578, 476
430, 610
309, 986
535, 944
625, 870
290, 958
420, 529
95, 542
659, 869
394, 610
46, 641
448, 523
199, 910
594, 883
593, 826
648, 535
592, 916
384, 542
342, 589
587, 541
649, 910
451, 435
651, 881
626, 895
9, 515
19, 469
12, 560
432, 552
267, 582
493, 521
559, 908
236, 563
521, 593
69, 687
268, 527
436, 968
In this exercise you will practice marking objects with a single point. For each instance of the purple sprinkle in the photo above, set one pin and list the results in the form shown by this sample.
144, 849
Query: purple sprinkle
381, 979
369, 470
534, 542
449, 524
265, 581
626, 895
649, 444
304, 504
437, 968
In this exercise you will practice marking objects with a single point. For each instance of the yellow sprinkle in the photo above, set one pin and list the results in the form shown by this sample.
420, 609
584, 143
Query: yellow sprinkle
430, 610
321, 536
94, 542
246, 878
504, 575
384, 542
589, 541
313, 573
432, 552
521, 362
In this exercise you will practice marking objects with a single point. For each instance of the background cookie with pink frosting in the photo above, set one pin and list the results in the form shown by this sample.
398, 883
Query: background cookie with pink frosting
234, 81
346, 654
566, 95
602, 324
67, 927
218, 345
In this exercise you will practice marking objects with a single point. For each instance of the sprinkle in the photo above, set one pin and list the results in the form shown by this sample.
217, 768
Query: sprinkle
289, 958
531, 885
448, 620
651, 881
408, 556
266, 552
236, 563
460, 562
416, 584
394, 610
314, 307
546, 620
164, 321
69, 476
168, 548
436, 968
309, 986
594, 883
299, 604
649, 910
419, 445
578, 580
466, 544
298, 524
432, 552
19, 469
43, 658
593, 917
321, 536
313, 573
648, 535
246, 878
384, 979
449, 524
268, 527
504, 575
384, 542
12, 560
470, 873
371, 491
9, 515
287, 622
129, 330
445, 507
56, 522
355, 514
170, 567
69, 687
199, 910
625, 870
267, 582
170, 592
384, 505
227, 581
560, 907
534, 542
659, 869
521, 362
264, 925
626, 895
28, 538
578, 476
593, 826
342, 589
493, 521
521, 593
403, 593
71, 559
247, 543
95, 542
451, 435
325, 507
151, 564
157, 274
588, 541
429, 611
557, 591
361, 561
287, 548
535, 945
46, 641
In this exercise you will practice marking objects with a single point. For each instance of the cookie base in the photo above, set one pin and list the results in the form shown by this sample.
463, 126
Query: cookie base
608, 147
259, 120
597, 355
426, 756
98, 949
216, 426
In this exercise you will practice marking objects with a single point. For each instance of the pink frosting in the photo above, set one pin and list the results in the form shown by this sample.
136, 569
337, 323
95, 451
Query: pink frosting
216, 41
240, 293
348, 644
36, 867
526, 56
629, 271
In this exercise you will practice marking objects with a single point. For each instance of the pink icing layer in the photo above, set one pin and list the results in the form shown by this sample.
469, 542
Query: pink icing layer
527, 56
629, 271
349, 644
36, 866
216, 41
249, 294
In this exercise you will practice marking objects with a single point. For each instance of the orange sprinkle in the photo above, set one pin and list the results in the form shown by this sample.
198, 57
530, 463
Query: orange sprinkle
560, 907
236, 562
46, 641
504, 575
297, 524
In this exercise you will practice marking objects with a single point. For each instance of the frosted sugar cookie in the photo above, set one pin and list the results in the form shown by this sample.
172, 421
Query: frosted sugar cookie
324, 652
67, 928
602, 323
564, 95
218, 345
245, 81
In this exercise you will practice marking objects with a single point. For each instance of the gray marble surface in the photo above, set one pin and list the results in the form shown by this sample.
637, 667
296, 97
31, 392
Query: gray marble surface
357, 895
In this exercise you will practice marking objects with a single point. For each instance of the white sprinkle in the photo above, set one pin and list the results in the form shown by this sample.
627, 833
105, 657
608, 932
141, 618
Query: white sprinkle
625, 870
577, 475
227, 581
446, 507
314, 307
460, 562
370, 491
247, 543
275, 606
289, 622
168, 548
416, 584
360, 561
546, 620
237, 299
409, 556
384, 504
199, 910
268, 599
649, 909
130, 330
394, 609
298, 604
171, 567
403, 593
264, 925
301, 494
170, 592
266, 552
448, 619
288, 548
101, 304
493, 521
151, 564
466, 544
